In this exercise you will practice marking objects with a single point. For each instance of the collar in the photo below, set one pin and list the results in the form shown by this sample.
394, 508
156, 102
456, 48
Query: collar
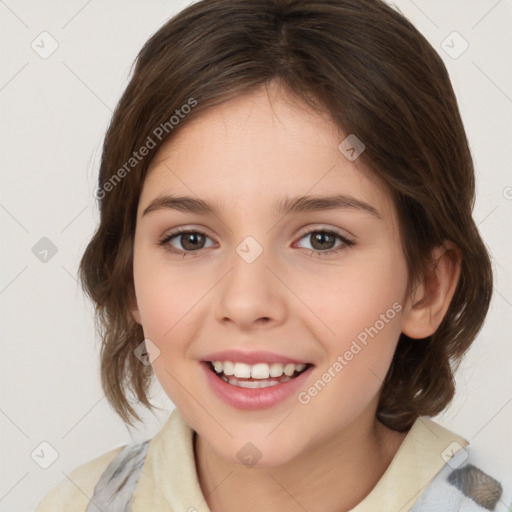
168, 481
424, 451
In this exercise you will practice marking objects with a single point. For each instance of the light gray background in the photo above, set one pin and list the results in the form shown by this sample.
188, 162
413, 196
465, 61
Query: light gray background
54, 114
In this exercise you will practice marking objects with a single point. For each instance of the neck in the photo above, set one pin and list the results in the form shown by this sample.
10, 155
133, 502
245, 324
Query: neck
334, 476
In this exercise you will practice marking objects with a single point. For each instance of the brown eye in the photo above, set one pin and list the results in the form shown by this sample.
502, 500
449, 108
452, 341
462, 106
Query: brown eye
184, 241
191, 241
323, 242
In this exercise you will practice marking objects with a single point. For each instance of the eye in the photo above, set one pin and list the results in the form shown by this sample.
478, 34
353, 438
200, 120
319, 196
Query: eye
188, 241
323, 241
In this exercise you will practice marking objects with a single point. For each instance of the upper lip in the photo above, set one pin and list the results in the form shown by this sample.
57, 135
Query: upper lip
259, 356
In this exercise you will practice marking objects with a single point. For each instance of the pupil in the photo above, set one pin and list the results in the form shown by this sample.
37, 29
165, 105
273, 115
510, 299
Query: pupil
320, 238
186, 240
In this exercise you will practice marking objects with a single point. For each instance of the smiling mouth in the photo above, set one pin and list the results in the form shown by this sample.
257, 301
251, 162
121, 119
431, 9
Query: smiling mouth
260, 375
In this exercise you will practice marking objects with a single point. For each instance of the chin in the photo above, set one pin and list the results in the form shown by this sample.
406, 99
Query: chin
258, 453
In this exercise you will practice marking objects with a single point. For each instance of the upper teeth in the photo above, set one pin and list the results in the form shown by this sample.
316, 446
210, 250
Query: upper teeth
256, 371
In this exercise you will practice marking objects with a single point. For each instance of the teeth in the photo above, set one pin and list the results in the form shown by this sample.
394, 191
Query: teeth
242, 371
256, 371
228, 367
260, 371
254, 383
276, 370
289, 369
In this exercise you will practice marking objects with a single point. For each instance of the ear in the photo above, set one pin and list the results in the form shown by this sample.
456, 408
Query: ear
430, 300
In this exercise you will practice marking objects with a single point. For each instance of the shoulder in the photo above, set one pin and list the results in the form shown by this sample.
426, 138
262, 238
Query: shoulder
463, 486
73, 492
447, 473
481, 479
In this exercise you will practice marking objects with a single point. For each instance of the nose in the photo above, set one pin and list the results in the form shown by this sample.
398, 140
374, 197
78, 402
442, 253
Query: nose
250, 295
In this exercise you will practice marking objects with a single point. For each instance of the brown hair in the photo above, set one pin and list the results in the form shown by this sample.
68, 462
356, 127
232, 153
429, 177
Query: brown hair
378, 77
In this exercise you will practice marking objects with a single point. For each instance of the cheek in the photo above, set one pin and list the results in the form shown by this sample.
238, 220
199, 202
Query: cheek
345, 302
164, 293
356, 367
360, 313
165, 301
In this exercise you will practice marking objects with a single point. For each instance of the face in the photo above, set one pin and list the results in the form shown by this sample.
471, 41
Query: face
264, 281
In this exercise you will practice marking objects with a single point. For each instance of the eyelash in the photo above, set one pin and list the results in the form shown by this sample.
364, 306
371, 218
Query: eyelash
168, 237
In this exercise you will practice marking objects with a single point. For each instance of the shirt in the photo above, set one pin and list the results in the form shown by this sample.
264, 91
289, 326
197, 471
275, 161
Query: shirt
431, 471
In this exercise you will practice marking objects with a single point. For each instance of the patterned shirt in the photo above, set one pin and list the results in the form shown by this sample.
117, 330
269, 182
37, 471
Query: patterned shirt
432, 471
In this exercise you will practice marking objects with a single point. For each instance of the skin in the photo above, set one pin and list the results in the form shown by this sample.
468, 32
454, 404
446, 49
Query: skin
246, 155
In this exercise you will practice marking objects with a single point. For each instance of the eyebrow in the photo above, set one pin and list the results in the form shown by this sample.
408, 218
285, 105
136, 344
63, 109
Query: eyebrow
287, 205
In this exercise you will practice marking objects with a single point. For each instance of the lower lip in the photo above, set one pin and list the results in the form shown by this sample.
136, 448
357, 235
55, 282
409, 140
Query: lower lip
254, 398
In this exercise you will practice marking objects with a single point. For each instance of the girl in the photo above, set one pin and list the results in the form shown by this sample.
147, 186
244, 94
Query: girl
286, 243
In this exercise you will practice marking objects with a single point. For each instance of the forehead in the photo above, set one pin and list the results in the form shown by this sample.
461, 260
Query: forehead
254, 150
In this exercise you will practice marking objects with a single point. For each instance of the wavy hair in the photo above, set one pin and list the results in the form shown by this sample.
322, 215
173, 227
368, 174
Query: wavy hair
366, 65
